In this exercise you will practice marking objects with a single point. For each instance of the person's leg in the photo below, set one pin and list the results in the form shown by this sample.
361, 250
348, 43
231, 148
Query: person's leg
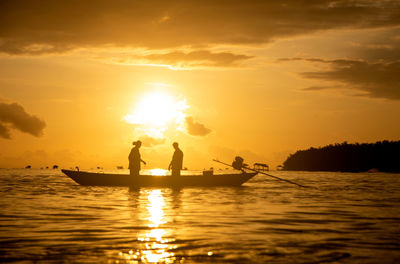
176, 173
134, 173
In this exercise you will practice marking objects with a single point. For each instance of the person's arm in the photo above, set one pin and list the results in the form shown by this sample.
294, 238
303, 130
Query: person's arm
144, 162
170, 164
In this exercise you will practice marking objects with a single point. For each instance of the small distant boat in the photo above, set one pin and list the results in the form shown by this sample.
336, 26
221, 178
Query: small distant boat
207, 179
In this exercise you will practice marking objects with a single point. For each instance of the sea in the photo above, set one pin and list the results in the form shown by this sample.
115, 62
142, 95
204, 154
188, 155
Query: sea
45, 217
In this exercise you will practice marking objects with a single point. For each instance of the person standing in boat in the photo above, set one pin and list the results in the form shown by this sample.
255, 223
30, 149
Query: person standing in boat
135, 159
176, 162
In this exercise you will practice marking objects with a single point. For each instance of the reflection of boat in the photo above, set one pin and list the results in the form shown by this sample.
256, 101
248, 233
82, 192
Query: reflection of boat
109, 179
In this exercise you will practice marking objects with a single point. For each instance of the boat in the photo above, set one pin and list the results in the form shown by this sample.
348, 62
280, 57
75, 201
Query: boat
205, 179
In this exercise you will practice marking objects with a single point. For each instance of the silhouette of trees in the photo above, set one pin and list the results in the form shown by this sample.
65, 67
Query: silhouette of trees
383, 156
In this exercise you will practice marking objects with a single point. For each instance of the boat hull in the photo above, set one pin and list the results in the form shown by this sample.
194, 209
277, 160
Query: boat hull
107, 179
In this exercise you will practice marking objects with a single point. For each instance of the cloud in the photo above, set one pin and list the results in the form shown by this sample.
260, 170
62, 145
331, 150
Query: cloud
196, 129
384, 46
47, 26
376, 79
13, 115
4, 132
181, 59
371, 67
148, 141
317, 88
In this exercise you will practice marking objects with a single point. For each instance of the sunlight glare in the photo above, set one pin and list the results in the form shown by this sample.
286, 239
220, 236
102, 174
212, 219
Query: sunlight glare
156, 249
158, 172
157, 109
155, 208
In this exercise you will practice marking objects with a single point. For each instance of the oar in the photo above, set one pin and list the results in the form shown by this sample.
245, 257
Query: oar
264, 174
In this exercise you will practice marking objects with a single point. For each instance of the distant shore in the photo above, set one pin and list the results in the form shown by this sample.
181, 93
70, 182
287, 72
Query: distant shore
382, 156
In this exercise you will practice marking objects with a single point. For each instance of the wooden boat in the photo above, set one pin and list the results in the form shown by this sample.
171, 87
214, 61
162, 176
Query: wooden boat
207, 179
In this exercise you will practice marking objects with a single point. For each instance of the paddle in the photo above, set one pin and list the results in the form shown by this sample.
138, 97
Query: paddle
264, 174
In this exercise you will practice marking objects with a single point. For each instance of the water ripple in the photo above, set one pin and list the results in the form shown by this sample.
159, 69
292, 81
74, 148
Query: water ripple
345, 218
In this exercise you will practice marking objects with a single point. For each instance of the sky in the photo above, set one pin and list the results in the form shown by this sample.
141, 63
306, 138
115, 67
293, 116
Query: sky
81, 80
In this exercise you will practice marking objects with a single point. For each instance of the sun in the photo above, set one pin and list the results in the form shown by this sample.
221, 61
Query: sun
155, 111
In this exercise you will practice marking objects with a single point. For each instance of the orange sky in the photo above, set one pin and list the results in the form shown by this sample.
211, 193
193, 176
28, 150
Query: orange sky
260, 79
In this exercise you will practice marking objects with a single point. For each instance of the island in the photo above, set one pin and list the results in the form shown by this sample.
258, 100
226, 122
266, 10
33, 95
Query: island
382, 156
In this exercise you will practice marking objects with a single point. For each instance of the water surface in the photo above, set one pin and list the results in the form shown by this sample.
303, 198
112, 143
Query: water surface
345, 218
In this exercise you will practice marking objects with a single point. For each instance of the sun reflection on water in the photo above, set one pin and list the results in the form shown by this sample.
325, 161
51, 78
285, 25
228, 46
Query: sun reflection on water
155, 246
155, 209
158, 172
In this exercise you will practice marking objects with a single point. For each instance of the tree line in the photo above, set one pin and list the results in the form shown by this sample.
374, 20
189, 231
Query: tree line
383, 156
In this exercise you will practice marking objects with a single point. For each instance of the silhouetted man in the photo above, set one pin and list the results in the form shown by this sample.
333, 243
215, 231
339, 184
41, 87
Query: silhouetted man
176, 162
135, 159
